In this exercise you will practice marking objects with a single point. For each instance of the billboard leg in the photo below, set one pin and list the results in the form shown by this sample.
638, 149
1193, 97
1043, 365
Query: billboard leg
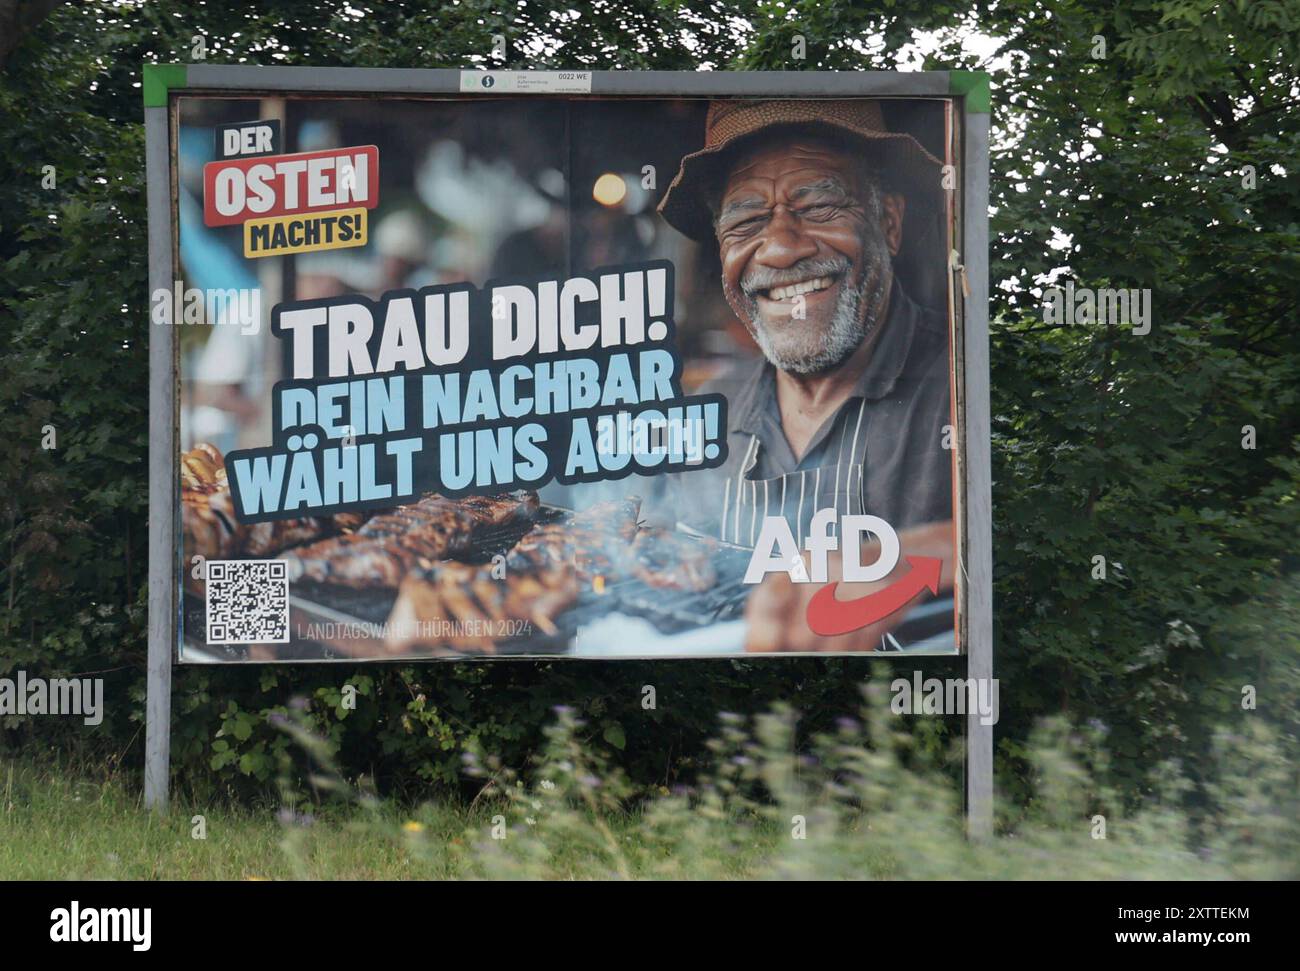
162, 466
157, 732
979, 777
978, 564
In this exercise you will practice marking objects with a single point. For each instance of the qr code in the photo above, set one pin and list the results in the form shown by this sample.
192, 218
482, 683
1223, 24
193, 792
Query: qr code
248, 602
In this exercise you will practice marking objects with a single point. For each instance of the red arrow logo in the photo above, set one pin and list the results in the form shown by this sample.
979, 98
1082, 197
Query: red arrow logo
828, 616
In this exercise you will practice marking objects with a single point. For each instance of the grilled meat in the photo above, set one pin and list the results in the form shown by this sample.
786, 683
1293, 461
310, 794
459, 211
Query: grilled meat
213, 531
266, 539
348, 522
207, 531
463, 607
429, 516
203, 469
499, 510
668, 560
259, 540
380, 552
592, 543
350, 560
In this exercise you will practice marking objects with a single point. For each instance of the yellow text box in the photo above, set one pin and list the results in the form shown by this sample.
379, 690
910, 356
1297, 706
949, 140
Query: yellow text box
306, 232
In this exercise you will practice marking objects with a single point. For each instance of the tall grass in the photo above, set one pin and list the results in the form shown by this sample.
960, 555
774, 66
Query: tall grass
861, 802
864, 802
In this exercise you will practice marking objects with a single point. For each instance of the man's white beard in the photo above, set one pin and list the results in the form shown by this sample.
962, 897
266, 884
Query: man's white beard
856, 314
797, 352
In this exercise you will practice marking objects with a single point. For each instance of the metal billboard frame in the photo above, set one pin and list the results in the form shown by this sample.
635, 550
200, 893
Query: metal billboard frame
162, 83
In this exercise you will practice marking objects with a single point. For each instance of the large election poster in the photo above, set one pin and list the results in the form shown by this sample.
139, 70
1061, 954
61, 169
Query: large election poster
496, 375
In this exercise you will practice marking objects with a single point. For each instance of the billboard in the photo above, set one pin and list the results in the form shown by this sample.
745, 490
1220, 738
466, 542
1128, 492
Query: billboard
527, 369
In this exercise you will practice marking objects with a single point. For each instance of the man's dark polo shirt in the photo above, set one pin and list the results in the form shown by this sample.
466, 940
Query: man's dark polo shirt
881, 453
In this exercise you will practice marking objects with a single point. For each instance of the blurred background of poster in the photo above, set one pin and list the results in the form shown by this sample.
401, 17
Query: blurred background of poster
474, 190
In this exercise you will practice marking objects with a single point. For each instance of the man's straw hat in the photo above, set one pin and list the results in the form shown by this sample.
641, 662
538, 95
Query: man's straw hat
906, 166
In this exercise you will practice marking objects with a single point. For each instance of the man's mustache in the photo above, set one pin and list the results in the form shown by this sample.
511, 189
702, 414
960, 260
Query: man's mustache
766, 277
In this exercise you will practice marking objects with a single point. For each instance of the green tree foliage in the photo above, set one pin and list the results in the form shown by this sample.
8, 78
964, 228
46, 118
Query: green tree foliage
1124, 170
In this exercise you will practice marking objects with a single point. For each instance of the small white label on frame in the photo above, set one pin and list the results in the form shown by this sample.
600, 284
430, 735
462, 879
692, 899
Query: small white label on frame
525, 82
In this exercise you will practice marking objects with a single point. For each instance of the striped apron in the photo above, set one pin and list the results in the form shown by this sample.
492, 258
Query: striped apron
796, 495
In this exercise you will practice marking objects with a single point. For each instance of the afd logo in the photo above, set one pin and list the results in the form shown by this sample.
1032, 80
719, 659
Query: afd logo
777, 551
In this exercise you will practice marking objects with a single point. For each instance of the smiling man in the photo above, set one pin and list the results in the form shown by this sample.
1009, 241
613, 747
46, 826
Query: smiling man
847, 407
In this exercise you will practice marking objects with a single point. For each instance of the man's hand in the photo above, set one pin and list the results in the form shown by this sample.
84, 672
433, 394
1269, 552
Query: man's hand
776, 614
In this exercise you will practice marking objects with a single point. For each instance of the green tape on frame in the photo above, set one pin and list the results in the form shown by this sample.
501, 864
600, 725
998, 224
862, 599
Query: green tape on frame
974, 87
159, 79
